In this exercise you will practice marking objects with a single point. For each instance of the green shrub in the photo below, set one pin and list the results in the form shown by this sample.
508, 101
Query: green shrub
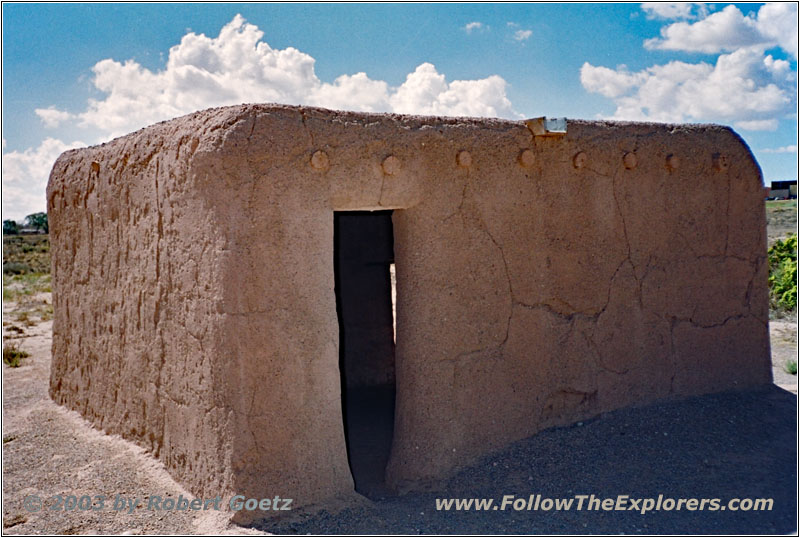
16, 268
13, 355
791, 366
30, 250
782, 256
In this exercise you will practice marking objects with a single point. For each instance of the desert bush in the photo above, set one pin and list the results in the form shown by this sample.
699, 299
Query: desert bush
30, 250
13, 355
16, 268
782, 256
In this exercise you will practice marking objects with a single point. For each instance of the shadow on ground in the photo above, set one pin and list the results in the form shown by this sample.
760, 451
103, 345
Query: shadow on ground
725, 446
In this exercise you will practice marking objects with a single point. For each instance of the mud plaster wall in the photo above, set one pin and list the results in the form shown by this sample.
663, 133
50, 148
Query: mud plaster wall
540, 280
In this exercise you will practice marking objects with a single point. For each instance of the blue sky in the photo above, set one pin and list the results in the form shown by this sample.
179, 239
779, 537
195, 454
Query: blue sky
80, 74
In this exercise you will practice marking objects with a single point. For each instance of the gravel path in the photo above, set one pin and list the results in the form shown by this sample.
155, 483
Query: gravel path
730, 445
739, 444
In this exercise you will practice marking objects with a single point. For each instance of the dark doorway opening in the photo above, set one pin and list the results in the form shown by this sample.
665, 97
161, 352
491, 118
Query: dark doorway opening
363, 255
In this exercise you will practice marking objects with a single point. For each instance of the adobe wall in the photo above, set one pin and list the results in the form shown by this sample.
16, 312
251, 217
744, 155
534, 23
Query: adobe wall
137, 269
540, 280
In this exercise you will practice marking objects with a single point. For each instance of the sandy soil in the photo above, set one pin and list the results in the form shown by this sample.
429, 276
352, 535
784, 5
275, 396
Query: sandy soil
48, 451
781, 219
726, 445
783, 340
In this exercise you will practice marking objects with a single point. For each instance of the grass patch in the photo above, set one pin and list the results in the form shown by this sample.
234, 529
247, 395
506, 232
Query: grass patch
23, 254
779, 205
45, 312
17, 287
24, 317
781, 219
791, 366
16, 268
13, 355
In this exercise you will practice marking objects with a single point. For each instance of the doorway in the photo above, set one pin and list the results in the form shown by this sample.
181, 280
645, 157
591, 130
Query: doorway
363, 258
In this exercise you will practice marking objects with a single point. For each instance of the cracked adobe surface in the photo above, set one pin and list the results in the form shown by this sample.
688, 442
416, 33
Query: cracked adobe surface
195, 309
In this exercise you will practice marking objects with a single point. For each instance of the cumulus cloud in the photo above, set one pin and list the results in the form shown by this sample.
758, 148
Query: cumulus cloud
674, 10
757, 125
347, 90
471, 26
729, 30
744, 86
426, 91
610, 82
782, 149
778, 23
25, 175
51, 117
522, 35
237, 66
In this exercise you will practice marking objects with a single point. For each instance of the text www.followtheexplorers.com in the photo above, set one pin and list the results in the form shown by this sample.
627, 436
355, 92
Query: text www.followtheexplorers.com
591, 502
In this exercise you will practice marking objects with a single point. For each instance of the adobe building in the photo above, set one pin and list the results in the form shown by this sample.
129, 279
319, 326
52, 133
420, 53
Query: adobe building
222, 296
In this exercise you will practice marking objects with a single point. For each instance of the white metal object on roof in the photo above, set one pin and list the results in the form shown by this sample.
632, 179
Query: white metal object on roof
547, 126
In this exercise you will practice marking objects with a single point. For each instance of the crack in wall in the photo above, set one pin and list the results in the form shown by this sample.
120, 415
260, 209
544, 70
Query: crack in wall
727, 213
507, 275
460, 203
614, 179
380, 193
305, 126
693, 323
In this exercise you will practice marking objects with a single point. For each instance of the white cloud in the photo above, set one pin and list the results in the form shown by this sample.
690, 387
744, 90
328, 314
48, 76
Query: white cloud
234, 67
426, 91
522, 35
757, 125
238, 67
778, 21
25, 176
674, 10
51, 117
782, 149
729, 30
610, 82
744, 86
473, 26
726, 30
371, 95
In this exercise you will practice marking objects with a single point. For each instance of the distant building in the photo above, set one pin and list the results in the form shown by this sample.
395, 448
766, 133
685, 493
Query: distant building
30, 230
783, 190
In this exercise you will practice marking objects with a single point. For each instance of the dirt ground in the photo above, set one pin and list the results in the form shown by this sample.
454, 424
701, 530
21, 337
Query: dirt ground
783, 340
48, 451
726, 445
781, 219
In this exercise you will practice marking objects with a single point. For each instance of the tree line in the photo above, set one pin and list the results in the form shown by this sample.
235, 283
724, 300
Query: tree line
36, 222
